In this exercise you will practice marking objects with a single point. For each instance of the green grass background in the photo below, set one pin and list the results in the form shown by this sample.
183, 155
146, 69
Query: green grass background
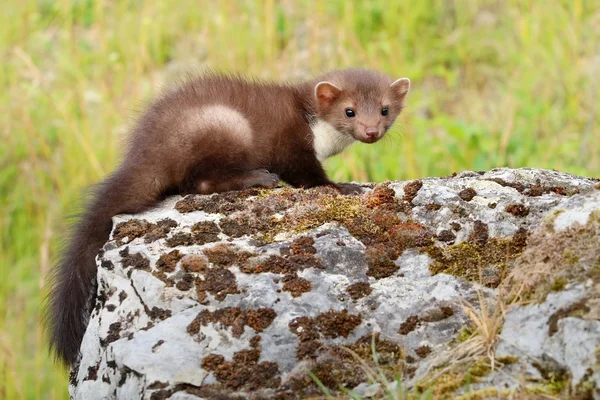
495, 83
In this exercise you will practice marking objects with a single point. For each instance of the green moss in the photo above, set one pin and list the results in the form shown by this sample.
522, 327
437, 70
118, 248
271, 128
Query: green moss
464, 334
444, 385
456, 376
559, 284
486, 393
479, 369
507, 360
552, 388
570, 257
484, 263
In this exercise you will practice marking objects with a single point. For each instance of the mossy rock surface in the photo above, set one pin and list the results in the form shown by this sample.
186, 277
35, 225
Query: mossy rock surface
257, 293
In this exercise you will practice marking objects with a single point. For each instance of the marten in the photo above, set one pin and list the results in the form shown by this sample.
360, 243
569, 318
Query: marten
216, 133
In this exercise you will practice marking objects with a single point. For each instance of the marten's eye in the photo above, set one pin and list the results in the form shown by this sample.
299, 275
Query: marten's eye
384, 111
350, 113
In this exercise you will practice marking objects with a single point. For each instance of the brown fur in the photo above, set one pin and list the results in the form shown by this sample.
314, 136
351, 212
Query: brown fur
213, 134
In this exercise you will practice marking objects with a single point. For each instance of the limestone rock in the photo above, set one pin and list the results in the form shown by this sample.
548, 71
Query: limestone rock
262, 293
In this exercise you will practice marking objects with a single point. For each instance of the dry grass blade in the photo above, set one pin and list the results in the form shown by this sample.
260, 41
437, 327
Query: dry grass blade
486, 325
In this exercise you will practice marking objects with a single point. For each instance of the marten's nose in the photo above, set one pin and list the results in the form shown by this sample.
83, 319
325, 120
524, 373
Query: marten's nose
372, 133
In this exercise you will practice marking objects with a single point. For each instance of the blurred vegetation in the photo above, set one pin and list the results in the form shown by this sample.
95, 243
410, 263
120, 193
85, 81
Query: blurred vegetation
495, 83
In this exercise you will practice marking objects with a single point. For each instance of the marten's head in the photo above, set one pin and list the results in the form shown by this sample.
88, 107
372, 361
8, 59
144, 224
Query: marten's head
360, 103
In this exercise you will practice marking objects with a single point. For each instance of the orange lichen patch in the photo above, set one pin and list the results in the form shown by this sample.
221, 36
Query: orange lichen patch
382, 194
423, 351
193, 263
305, 328
380, 263
217, 281
409, 325
334, 324
480, 234
359, 290
246, 356
248, 376
226, 317
159, 230
436, 314
181, 239
282, 265
186, 283
411, 189
467, 194
381, 229
212, 361
167, 262
303, 245
536, 190
136, 228
330, 324
114, 334
205, 232
296, 285
255, 341
446, 236
308, 349
245, 225
159, 313
304, 261
260, 319
433, 207
234, 317
275, 264
136, 260
202, 233
518, 210
132, 229
223, 255
224, 203
163, 277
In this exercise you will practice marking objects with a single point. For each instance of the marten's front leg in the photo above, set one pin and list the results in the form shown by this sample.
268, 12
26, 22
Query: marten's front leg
306, 171
255, 178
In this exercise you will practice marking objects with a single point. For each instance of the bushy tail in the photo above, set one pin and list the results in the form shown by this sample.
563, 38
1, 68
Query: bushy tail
73, 281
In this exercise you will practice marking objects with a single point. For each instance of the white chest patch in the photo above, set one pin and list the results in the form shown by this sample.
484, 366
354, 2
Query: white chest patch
328, 140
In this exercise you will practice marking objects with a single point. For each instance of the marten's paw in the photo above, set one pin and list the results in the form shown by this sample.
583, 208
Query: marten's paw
263, 178
348, 188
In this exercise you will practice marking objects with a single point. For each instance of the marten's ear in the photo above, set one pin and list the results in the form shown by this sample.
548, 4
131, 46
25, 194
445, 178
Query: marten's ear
400, 89
326, 93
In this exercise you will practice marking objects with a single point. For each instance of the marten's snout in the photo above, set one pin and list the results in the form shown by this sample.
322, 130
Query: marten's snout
372, 133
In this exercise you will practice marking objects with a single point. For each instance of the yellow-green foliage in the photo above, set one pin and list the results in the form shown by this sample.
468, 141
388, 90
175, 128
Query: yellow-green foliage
494, 83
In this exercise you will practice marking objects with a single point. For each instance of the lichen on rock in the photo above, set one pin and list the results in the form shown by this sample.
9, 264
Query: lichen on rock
262, 293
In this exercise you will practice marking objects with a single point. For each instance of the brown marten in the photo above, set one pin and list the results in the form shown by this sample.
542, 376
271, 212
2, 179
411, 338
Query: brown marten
213, 134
